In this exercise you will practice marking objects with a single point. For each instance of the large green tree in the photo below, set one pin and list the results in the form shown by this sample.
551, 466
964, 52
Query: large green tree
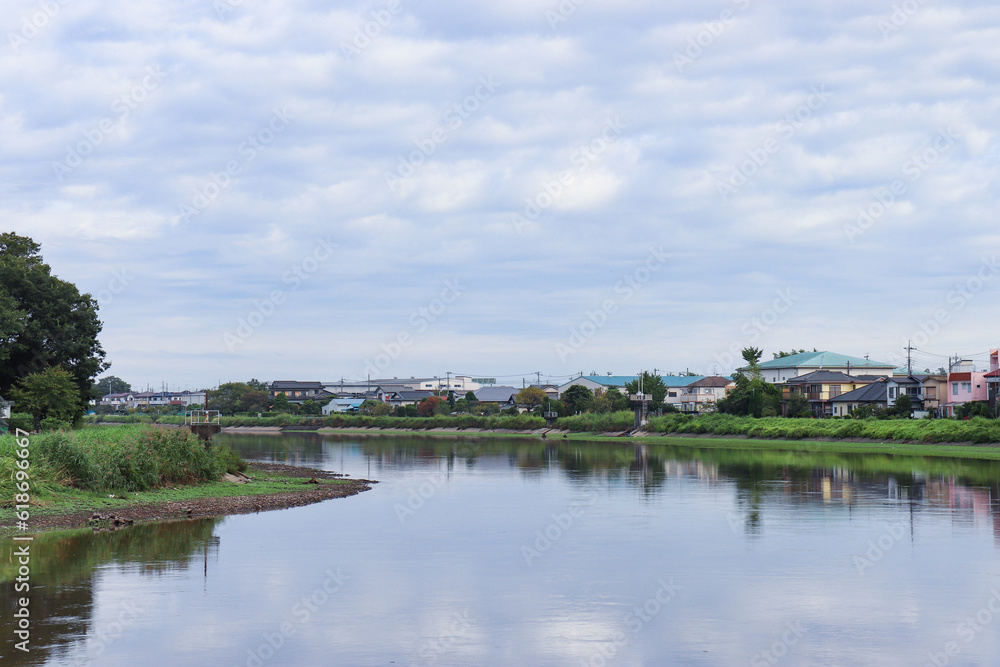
752, 395
48, 393
577, 398
233, 397
652, 385
45, 322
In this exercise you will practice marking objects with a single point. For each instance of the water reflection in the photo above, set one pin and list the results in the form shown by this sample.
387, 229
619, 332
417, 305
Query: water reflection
66, 568
797, 522
968, 489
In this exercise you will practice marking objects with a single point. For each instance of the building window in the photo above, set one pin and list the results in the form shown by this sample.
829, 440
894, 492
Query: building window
954, 389
966, 386
892, 392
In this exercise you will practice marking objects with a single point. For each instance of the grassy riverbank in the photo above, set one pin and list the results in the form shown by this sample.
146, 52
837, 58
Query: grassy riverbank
977, 430
144, 473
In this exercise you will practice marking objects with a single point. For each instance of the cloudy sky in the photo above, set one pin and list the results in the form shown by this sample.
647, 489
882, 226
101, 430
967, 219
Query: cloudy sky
317, 190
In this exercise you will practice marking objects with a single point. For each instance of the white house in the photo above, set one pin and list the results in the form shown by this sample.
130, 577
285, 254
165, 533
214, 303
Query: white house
780, 370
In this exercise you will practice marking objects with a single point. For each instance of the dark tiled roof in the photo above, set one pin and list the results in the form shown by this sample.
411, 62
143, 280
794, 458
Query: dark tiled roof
821, 377
871, 393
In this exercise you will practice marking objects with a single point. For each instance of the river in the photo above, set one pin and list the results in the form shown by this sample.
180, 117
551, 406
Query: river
530, 552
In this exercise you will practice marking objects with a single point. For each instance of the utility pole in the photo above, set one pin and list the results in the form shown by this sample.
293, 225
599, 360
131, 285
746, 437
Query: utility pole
539, 374
909, 361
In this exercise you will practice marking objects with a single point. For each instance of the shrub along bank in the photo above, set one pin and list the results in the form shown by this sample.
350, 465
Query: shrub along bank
977, 430
132, 458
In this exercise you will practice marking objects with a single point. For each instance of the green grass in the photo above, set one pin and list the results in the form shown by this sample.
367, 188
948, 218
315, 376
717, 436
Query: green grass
68, 500
126, 459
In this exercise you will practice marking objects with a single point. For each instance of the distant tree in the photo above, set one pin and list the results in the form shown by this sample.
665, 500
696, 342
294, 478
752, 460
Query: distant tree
798, 405
865, 411
258, 385
49, 394
233, 397
903, 406
426, 407
280, 403
406, 411
374, 408
577, 398
530, 396
487, 409
752, 394
652, 385
311, 407
109, 384
470, 397
973, 409
600, 404
618, 400
462, 405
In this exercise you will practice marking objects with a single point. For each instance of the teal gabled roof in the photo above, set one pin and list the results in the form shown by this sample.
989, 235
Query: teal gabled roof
823, 360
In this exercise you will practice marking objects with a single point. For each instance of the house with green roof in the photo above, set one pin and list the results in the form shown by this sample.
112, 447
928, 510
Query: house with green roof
778, 371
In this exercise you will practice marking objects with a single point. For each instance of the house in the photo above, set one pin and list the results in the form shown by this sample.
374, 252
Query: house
874, 393
777, 371
342, 405
992, 378
965, 385
457, 383
503, 396
934, 387
820, 387
405, 397
600, 382
299, 392
696, 396
908, 385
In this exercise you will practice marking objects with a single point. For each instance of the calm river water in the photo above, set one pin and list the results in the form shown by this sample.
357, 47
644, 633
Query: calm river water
522, 552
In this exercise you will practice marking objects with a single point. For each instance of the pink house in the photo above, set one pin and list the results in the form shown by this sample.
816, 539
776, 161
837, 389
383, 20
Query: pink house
964, 385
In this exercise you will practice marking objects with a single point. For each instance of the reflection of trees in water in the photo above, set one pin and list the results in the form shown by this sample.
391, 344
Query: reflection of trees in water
63, 573
760, 476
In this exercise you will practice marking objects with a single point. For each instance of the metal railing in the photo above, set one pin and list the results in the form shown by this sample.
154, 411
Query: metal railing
195, 417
